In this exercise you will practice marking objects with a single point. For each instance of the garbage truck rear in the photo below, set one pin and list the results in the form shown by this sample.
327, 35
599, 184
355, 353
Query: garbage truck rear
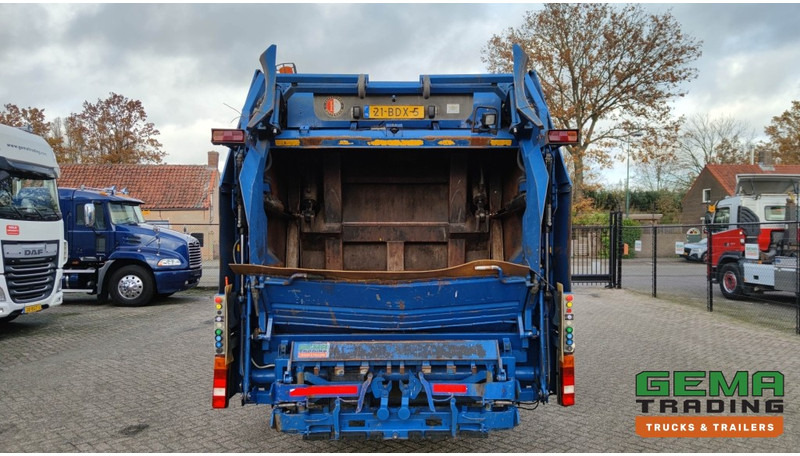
395, 255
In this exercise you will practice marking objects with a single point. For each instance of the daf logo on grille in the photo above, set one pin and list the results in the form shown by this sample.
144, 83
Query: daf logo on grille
29, 250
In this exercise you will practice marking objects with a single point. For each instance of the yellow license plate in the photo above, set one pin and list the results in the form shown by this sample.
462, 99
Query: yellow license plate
33, 308
394, 112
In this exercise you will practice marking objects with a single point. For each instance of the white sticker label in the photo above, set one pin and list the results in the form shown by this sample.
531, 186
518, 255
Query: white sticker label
678, 248
453, 108
751, 251
637, 246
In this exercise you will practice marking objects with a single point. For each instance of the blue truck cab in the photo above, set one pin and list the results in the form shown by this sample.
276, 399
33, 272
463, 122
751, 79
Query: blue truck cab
114, 253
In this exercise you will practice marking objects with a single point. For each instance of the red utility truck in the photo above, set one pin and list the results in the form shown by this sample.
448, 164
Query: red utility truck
754, 236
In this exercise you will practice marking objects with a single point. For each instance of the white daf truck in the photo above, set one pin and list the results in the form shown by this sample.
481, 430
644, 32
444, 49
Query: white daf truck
32, 245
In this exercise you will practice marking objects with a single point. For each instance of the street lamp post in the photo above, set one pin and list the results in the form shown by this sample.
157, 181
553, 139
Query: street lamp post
636, 134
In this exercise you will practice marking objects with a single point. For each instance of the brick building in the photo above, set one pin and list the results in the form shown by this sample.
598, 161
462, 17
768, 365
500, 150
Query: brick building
182, 197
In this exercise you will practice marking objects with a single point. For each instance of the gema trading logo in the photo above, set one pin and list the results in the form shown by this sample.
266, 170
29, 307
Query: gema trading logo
709, 404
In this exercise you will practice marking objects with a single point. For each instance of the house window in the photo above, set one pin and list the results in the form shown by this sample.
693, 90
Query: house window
706, 195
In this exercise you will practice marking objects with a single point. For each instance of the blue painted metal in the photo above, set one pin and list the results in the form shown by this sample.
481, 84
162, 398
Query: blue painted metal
489, 340
268, 66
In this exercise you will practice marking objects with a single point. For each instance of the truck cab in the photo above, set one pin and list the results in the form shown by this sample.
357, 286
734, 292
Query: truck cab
753, 235
33, 245
114, 252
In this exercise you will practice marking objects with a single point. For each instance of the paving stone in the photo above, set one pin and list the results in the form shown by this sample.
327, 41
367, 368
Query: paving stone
89, 377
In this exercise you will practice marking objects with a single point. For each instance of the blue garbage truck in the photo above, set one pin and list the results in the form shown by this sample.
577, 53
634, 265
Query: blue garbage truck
394, 255
114, 253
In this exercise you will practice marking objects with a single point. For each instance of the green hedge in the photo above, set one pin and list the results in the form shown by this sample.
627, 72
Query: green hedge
631, 231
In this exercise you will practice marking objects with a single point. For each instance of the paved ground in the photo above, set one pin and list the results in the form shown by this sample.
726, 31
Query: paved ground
686, 282
210, 274
89, 377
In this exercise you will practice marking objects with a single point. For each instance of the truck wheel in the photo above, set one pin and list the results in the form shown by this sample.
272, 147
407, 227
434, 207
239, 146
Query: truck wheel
131, 285
730, 281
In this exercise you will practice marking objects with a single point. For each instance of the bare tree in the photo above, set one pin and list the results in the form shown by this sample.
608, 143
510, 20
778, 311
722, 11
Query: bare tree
606, 70
655, 158
705, 140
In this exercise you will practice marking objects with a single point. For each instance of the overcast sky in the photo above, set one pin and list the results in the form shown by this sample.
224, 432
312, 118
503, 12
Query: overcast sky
186, 61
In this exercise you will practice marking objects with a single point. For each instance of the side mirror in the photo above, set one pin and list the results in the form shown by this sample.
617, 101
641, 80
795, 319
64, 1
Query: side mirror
88, 214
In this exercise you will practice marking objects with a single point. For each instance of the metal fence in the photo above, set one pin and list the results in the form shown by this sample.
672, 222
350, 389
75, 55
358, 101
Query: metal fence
596, 253
753, 276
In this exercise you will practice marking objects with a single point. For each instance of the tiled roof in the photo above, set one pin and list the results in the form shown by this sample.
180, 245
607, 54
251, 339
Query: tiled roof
159, 186
726, 174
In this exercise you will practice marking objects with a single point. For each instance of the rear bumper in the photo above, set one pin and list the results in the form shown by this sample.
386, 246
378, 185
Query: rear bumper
395, 390
174, 281
446, 421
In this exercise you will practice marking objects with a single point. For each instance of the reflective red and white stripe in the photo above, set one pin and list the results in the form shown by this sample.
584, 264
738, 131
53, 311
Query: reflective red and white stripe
449, 388
324, 390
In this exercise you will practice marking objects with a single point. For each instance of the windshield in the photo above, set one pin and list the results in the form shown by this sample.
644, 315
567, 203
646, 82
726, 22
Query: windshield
125, 214
24, 197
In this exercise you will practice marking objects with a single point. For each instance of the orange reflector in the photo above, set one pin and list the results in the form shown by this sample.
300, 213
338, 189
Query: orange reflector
567, 381
325, 390
222, 137
219, 395
449, 388
562, 137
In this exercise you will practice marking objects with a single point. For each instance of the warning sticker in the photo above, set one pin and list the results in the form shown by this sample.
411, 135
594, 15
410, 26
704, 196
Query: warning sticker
311, 350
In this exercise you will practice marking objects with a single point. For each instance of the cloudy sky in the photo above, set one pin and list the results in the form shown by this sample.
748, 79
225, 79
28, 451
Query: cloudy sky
186, 62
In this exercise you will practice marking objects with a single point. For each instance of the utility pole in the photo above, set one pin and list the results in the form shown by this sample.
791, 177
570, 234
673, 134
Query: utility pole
635, 134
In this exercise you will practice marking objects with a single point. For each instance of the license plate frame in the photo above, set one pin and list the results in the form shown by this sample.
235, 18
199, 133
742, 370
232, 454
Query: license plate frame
33, 308
394, 112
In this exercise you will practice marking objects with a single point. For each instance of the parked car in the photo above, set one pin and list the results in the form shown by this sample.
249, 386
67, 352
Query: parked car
696, 251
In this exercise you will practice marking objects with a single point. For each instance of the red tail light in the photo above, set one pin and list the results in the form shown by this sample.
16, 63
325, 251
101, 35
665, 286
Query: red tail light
563, 137
568, 381
221, 137
325, 390
219, 397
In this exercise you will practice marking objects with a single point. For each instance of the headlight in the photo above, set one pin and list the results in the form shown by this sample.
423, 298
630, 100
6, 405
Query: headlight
64, 252
169, 262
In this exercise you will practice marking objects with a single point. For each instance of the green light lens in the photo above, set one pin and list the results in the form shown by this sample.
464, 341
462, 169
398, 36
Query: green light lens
218, 332
569, 330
